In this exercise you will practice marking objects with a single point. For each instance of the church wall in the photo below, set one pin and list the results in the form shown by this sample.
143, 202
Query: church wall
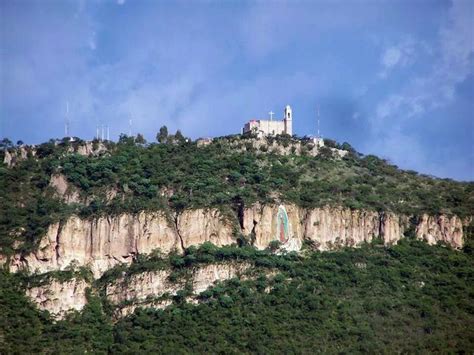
272, 127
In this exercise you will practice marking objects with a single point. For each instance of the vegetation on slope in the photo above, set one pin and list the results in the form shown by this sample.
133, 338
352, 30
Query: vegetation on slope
407, 298
228, 174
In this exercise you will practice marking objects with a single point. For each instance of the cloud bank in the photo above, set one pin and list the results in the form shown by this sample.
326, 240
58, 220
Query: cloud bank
397, 85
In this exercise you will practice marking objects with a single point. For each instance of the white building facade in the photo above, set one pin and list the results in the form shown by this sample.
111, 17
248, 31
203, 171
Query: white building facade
270, 127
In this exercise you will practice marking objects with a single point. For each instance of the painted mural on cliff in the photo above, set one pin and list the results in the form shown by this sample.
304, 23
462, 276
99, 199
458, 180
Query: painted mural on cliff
284, 233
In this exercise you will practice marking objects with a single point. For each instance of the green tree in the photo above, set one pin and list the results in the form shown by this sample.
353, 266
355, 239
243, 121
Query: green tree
140, 139
179, 137
162, 135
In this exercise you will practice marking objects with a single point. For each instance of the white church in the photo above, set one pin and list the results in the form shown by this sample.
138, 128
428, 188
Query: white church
271, 127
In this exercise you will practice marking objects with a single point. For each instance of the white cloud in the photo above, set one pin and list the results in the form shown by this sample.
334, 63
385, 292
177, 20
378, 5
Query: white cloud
437, 88
402, 54
391, 57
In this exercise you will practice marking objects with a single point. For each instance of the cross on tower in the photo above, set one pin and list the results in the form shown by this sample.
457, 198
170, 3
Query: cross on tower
271, 113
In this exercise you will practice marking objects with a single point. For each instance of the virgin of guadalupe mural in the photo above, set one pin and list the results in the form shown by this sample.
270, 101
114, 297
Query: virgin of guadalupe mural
284, 234
283, 225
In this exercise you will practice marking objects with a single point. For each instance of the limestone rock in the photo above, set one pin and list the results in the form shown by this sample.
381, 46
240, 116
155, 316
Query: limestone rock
99, 243
147, 289
60, 297
206, 276
204, 225
441, 228
63, 189
141, 286
104, 242
89, 149
261, 223
331, 228
11, 158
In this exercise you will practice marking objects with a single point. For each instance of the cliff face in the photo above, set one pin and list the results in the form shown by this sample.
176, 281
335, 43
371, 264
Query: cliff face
198, 226
146, 289
11, 158
100, 243
60, 297
141, 287
106, 241
434, 229
327, 228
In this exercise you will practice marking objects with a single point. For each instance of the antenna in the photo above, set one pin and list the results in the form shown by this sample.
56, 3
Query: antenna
102, 128
319, 136
271, 113
130, 128
66, 123
108, 135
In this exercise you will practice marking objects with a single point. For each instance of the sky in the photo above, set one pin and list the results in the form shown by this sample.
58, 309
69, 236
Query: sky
392, 78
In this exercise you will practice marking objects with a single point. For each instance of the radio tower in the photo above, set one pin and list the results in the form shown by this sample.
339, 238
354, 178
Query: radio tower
66, 122
319, 136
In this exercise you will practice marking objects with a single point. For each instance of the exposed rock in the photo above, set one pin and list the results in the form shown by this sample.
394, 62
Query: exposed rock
12, 157
127, 309
100, 243
206, 276
155, 284
261, 223
392, 227
331, 228
434, 229
204, 225
104, 242
141, 286
327, 227
148, 289
64, 190
91, 148
60, 297
7, 159
296, 147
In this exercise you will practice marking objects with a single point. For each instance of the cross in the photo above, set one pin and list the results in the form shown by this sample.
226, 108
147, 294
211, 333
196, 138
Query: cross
271, 115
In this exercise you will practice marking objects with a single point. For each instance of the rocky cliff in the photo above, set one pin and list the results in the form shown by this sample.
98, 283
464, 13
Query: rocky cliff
16, 155
434, 229
147, 289
60, 297
103, 242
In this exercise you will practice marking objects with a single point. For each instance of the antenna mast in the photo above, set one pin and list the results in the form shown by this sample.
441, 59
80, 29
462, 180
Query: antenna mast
130, 128
319, 136
66, 123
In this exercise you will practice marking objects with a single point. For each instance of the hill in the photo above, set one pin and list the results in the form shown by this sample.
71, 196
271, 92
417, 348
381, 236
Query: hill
183, 246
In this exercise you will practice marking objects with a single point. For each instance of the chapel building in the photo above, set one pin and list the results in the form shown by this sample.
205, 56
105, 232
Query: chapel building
270, 127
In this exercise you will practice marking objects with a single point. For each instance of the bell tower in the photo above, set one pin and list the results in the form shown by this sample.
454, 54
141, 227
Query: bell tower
288, 119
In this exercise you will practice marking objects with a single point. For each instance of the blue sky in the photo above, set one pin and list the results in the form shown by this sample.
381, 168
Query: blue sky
394, 78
